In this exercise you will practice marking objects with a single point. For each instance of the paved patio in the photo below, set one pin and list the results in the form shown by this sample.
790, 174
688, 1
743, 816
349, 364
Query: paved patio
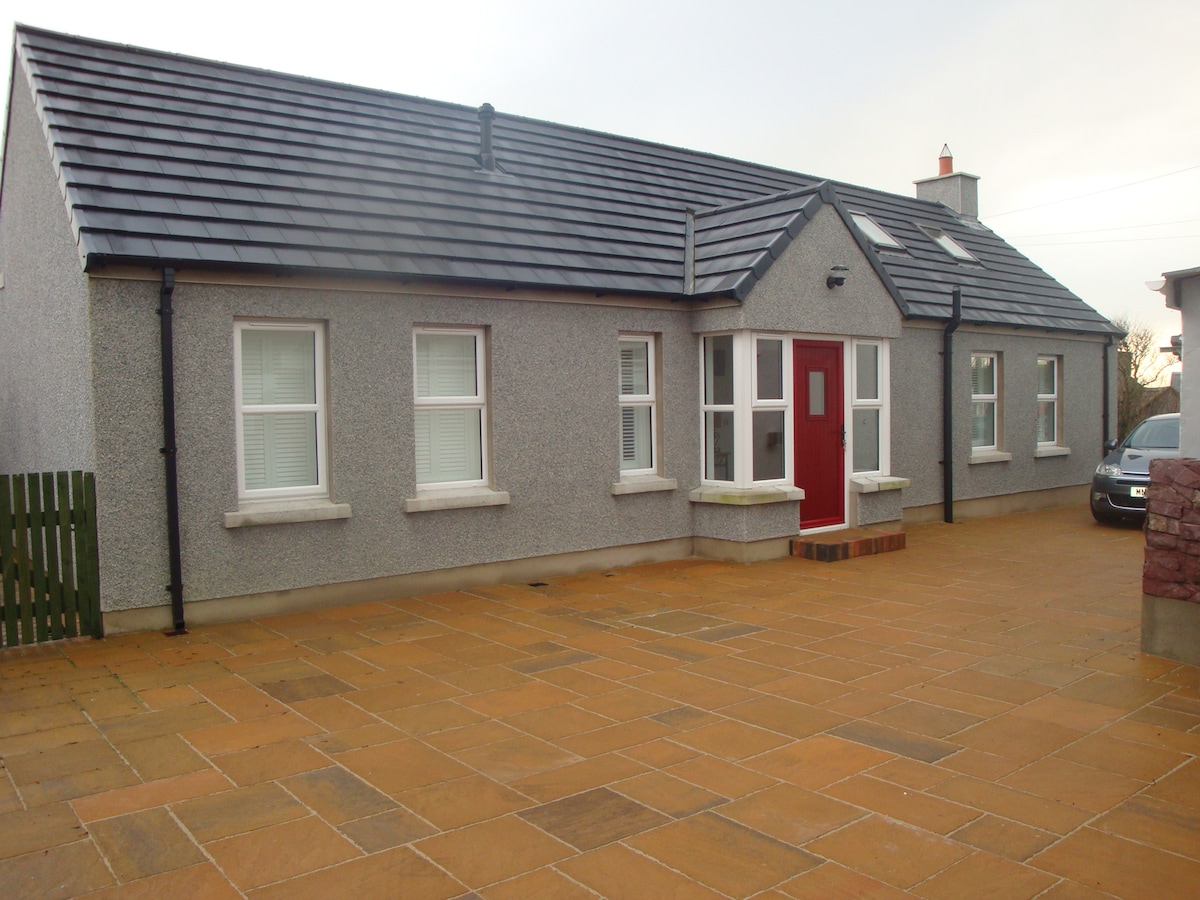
967, 718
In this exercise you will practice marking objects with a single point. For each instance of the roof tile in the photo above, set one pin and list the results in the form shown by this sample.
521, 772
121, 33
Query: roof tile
171, 159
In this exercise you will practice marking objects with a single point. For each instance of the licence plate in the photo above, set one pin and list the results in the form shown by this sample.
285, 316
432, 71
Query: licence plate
1137, 491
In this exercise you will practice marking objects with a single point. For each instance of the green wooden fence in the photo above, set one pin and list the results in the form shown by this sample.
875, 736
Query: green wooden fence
49, 566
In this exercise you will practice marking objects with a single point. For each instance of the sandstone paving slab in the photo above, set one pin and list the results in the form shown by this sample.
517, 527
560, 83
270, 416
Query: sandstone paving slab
969, 717
149, 842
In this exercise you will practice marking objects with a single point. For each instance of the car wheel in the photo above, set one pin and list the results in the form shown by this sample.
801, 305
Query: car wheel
1102, 516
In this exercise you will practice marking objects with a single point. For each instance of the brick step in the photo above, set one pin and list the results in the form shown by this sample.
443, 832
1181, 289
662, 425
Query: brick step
836, 545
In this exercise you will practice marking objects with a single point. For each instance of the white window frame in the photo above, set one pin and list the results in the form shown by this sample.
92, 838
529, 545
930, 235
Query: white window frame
648, 400
707, 407
321, 488
783, 404
478, 400
882, 402
745, 402
1055, 399
994, 398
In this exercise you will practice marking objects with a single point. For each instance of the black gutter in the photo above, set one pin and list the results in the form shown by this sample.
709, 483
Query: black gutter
169, 450
1104, 417
948, 406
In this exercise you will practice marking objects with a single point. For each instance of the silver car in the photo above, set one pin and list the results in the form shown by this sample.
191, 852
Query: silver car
1119, 485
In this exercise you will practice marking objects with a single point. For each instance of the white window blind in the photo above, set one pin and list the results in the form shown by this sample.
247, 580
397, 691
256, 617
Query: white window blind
984, 399
637, 403
449, 419
280, 409
1047, 400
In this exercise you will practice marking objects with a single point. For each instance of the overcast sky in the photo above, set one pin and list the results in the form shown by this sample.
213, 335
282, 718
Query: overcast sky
1081, 116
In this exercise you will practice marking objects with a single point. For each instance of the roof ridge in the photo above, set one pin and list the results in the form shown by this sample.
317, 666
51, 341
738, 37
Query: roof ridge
472, 111
20, 29
751, 202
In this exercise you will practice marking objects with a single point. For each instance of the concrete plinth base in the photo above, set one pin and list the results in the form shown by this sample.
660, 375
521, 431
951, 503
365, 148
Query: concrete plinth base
1171, 628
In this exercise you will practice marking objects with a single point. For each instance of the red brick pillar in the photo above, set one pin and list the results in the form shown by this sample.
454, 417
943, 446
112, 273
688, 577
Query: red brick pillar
1171, 572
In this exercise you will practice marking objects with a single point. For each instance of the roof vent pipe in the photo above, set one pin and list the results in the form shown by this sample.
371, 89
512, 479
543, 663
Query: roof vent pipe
487, 158
689, 251
945, 161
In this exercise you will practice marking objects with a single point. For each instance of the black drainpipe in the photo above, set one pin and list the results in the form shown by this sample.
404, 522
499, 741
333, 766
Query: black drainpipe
169, 450
948, 406
1105, 423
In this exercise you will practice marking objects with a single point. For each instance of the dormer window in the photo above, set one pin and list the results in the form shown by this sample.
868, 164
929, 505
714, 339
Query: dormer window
949, 244
874, 232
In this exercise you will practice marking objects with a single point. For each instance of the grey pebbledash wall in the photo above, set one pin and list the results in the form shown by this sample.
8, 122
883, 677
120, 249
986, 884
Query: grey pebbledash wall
553, 413
554, 426
45, 362
917, 423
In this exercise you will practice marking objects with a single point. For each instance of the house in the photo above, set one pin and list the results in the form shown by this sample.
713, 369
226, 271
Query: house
1181, 289
1171, 574
321, 344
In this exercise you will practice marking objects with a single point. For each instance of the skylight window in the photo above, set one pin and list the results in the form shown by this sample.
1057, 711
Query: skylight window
949, 244
874, 232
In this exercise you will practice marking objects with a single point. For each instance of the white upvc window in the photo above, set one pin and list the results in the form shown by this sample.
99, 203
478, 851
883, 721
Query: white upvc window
869, 425
1049, 409
450, 398
638, 400
769, 409
279, 390
985, 401
746, 404
720, 436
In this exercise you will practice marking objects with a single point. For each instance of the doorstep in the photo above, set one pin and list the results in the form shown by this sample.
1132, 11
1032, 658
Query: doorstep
848, 544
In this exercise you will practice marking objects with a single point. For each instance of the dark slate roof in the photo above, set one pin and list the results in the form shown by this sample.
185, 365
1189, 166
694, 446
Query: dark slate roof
169, 160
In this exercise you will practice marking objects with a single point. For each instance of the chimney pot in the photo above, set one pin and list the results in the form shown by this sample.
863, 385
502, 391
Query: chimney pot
945, 161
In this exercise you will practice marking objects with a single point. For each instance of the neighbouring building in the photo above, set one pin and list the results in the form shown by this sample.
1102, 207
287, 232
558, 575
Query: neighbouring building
1171, 574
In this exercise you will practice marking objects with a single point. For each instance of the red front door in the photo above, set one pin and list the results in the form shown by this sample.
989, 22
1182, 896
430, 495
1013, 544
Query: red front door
820, 432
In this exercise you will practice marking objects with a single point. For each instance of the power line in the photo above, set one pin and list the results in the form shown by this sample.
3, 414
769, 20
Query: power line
1173, 237
1020, 237
1092, 193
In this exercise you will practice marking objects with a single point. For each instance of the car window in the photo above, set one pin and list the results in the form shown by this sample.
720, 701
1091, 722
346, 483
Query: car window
1155, 434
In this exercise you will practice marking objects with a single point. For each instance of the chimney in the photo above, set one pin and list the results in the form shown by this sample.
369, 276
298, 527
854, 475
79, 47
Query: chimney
957, 190
487, 159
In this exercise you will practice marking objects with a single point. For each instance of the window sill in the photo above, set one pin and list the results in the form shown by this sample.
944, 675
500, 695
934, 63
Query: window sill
746, 496
281, 512
1051, 450
989, 456
643, 484
870, 484
456, 498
